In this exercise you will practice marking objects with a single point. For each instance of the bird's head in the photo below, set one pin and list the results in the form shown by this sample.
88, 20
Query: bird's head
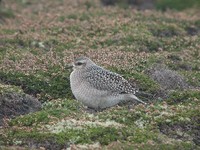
81, 63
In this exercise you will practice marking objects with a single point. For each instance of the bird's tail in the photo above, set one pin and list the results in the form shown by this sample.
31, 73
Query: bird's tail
137, 99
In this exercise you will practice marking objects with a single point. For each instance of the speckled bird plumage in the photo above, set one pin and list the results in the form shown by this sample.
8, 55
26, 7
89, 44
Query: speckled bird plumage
100, 78
97, 87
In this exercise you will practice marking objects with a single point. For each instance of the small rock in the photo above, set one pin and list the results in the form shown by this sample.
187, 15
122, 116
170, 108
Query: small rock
15, 104
192, 31
168, 79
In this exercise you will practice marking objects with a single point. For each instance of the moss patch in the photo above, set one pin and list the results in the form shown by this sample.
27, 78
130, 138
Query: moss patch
43, 85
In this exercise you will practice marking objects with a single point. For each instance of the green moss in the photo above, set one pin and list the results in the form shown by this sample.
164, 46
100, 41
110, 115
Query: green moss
6, 13
24, 2
145, 83
53, 42
182, 126
103, 135
72, 16
69, 104
61, 18
177, 4
140, 43
74, 28
159, 20
34, 136
108, 135
193, 77
31, 119
7, 31
89, 136
90, 4
168, 30
183, 96
10, 88
15, 43
149, 43
81, 17
160, 146
159, 4
122, 116
84, 16
2, 140
48, 86
40, 117
52, 110
182, 118
3, 51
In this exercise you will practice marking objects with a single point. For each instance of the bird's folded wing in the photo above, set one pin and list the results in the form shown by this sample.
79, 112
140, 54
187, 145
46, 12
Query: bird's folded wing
105, 80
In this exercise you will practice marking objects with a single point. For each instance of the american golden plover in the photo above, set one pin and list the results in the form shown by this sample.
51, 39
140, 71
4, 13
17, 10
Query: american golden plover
97, 87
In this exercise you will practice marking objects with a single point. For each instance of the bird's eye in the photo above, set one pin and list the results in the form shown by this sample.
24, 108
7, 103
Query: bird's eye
79, 63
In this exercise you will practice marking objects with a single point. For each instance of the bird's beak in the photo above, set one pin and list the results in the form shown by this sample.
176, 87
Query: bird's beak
69, 66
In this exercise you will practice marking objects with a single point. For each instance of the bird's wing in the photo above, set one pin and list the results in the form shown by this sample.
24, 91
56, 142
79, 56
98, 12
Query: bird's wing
102, 79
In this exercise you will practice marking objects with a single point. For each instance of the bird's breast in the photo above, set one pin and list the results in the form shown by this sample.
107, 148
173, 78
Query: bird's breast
79, 86
75, 82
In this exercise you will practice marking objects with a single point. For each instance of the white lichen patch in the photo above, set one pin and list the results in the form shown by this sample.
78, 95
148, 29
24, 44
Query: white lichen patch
85, 146
164, 114
80, 125
140, 123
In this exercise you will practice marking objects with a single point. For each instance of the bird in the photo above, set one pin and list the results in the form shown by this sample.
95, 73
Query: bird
99, 88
